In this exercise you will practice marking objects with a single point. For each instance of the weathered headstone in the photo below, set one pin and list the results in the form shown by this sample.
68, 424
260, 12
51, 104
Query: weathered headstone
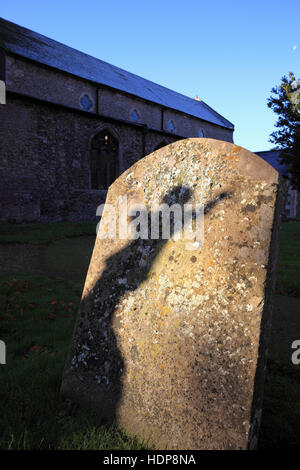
171, 337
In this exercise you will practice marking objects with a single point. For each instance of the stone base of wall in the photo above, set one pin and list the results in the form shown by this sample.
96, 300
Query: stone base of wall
82, 204
78, 205
20, 207
19, 197
21, 201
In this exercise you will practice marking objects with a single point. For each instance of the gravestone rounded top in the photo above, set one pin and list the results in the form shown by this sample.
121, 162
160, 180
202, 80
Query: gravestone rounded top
206, 172
186, 162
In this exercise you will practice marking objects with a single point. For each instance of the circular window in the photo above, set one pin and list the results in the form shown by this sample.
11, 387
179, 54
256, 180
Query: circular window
134, 116
86, 102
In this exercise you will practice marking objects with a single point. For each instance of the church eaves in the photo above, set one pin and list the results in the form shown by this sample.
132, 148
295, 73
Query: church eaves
31, 45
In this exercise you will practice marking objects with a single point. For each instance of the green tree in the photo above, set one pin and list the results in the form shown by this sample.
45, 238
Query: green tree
285, 101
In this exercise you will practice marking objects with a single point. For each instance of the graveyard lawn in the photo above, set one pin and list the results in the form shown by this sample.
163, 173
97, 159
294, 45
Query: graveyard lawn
38, 306
288, 275
42, 271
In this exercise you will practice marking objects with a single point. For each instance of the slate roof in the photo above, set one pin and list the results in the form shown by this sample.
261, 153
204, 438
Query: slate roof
31, 45
272, 157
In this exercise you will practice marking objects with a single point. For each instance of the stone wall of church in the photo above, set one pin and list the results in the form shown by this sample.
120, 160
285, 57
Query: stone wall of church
121, 106
46, 132
43, 82
46, 83
48, 147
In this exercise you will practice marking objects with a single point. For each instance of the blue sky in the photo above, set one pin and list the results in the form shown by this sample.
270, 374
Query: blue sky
230, 53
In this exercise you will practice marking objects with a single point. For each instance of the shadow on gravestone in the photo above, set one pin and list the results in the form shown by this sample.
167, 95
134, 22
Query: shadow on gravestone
107, 366
166, 341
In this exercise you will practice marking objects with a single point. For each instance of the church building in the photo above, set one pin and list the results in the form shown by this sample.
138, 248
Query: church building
70, 124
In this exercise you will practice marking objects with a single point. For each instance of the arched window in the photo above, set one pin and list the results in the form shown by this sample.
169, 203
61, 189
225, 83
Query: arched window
104, 160
160, 145
201, 133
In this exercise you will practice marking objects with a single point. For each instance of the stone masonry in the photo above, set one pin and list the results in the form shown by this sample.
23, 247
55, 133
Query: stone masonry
57, 100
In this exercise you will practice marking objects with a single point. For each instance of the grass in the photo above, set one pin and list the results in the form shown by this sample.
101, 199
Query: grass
37, 314
36, 234
36, 323
288, 274
280, 428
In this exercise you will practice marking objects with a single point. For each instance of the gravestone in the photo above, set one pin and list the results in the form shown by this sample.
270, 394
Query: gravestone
171, 337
